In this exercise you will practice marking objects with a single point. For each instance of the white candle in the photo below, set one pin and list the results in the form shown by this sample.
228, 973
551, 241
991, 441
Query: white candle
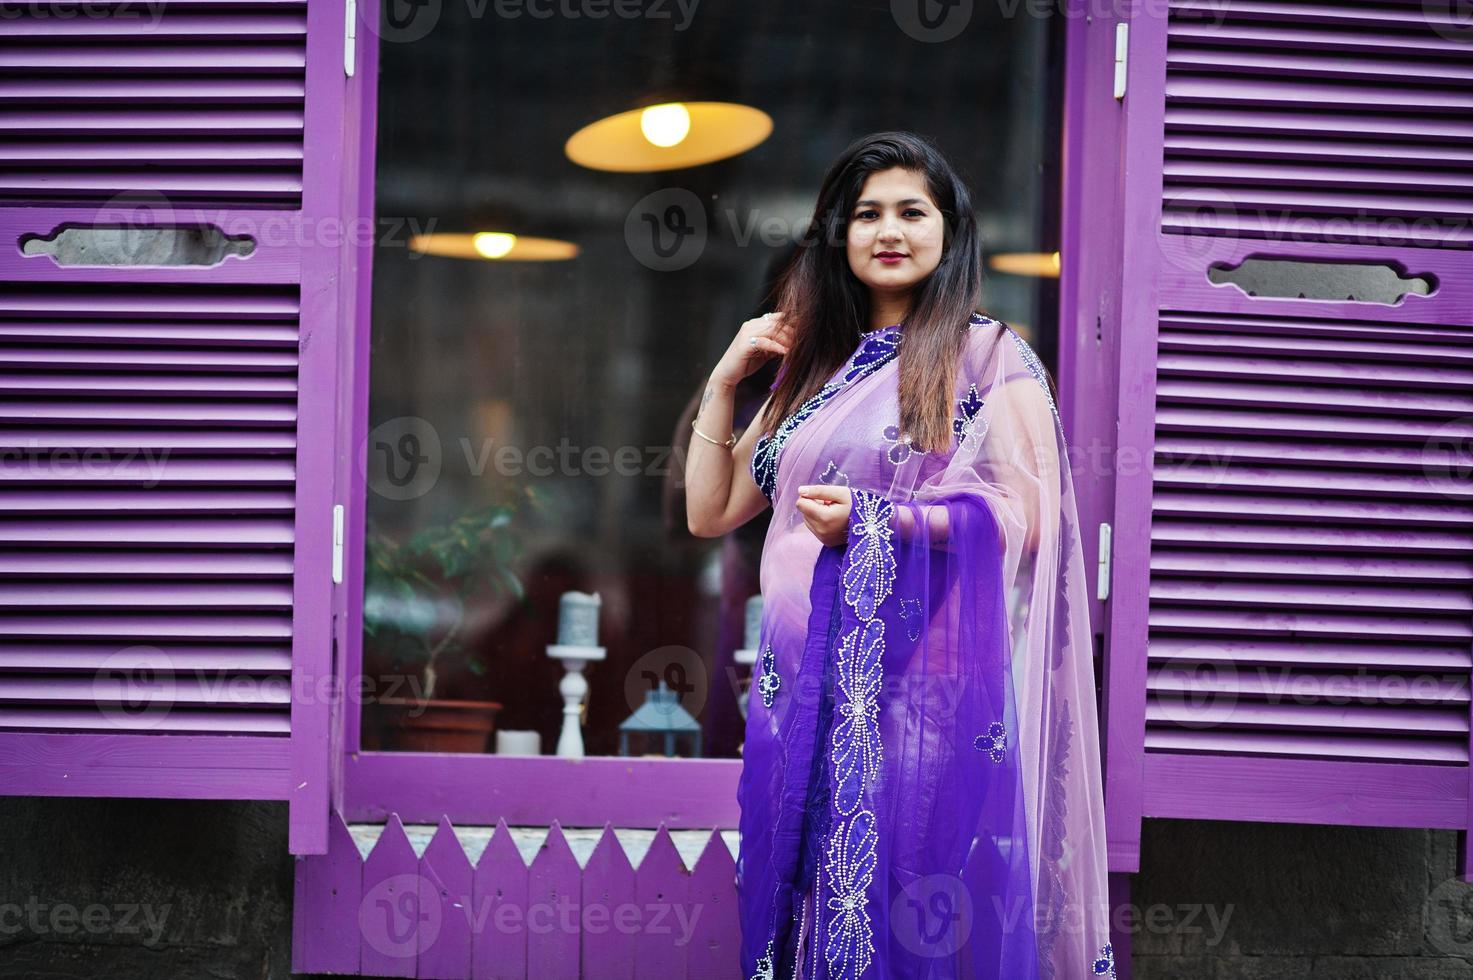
577, 619
511, 741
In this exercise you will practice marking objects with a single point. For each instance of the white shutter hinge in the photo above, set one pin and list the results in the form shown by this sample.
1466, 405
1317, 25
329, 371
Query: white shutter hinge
350, 36
337, 544
1102, 572
1122, 49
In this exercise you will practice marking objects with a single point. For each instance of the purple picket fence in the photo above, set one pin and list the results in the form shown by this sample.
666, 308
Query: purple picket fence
395, 913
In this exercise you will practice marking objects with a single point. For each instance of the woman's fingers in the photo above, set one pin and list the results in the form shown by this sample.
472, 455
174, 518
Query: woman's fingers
825, 492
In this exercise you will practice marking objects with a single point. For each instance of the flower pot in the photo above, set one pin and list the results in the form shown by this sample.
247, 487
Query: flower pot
417, 725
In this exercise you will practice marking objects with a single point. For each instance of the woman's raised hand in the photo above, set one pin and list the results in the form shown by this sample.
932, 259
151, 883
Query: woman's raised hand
758, 341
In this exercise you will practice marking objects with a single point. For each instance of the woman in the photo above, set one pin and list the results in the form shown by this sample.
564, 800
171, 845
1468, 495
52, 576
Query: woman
920, 791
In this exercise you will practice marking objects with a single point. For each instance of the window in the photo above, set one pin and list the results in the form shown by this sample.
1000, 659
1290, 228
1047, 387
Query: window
524, 422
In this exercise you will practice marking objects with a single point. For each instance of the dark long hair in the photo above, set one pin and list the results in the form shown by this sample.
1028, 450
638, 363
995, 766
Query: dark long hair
829, 307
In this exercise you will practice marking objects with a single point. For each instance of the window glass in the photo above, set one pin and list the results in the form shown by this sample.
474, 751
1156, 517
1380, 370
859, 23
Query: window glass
528, 416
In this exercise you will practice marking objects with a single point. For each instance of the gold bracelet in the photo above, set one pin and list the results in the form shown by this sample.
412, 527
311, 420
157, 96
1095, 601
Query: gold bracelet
725, 445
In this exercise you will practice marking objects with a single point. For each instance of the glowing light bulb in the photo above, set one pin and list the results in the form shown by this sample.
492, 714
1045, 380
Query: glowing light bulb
494, 244
665, 125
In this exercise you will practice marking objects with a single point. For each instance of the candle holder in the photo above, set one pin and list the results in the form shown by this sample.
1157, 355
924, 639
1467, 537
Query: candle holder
577, 646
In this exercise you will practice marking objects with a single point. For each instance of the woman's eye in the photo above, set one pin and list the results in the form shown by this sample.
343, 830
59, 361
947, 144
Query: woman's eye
915, 212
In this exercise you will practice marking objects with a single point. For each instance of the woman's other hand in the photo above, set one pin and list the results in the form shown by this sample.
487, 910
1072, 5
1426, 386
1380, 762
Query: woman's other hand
825, 510
758, 341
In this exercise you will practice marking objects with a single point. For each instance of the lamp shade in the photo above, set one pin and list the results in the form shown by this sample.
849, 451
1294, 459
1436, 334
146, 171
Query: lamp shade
668, 136
497, 246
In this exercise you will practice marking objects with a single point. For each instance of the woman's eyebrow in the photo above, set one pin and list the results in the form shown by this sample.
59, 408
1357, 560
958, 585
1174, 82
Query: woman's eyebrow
908, 200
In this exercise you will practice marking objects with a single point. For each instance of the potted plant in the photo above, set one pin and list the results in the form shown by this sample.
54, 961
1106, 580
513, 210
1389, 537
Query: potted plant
416, 598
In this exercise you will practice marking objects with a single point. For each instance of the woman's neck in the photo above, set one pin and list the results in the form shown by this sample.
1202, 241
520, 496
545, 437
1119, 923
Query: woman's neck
885, 311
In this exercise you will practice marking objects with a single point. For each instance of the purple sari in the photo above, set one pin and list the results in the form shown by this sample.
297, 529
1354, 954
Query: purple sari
920, 794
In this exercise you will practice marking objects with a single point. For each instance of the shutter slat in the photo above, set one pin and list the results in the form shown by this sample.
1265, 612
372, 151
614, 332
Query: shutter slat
212, 533
1289, 65
1393, 129
1232, 651
84, 658
254, 412
148, 385
165, 25
1377, 718
182, 692
1246, 173
201, 59
272, 304
1299, 94
173, 565
1169, 502
1167, 564
140, 90
53, 184
1250, 684
1286, 369
119, 441
1316, 398
146, 627
117, 153
1185, 145
1320, 16
1311, 538
1316, 38
159, 122
1211, 622
1333, 348
176, 721
1266, 480
1412, 750
171, 471
105, 359
122, 502
1206, 591
1188, 448
103, 595
1172, 418
155, 335
1332, 202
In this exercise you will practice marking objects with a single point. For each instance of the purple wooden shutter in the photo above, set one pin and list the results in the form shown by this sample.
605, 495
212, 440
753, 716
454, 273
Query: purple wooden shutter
1289, 622
165, 530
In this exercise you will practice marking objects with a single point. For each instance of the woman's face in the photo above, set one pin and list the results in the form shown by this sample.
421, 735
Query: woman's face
895, 232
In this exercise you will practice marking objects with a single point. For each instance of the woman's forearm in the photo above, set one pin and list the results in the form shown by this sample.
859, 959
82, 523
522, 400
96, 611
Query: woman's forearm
709, 467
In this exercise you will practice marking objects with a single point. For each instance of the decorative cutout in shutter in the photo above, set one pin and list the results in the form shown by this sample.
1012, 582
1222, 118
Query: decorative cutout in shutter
165, 620
1292, 621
